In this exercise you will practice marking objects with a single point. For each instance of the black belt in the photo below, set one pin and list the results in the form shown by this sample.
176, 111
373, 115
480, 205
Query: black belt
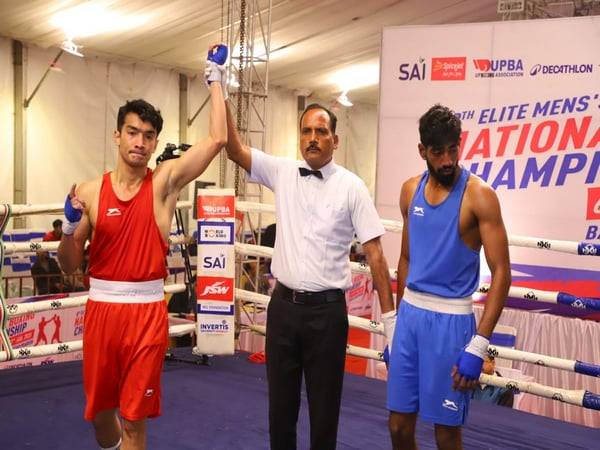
308, 297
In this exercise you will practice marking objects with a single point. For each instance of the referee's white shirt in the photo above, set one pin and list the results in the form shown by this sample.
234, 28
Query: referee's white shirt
316, 221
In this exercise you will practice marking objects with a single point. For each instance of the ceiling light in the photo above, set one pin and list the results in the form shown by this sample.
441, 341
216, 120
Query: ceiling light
344, 100
71, 47
93, 18
357, 76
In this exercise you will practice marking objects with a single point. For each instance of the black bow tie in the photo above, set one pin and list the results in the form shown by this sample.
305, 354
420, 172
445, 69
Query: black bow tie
304, 172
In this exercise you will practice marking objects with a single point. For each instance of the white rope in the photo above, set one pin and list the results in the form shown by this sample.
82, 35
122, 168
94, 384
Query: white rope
354, 321
395, 226
18, 309
58, 208
573, 397
75, 346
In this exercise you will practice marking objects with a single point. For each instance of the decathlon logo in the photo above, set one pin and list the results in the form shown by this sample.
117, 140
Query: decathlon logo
449, 404
113, 212
560, 69
419, 211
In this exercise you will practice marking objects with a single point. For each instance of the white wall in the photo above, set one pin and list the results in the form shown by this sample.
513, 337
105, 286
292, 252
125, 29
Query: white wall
71, 120
6, 121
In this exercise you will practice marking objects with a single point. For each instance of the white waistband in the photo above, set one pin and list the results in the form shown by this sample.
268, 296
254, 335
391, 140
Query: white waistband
434, 303
126, 291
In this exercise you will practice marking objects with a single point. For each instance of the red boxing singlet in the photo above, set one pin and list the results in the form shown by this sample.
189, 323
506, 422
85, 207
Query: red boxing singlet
127, 244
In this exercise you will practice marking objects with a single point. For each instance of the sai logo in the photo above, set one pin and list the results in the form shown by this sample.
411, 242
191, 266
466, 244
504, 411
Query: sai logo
409, 72
216, 260
593, 204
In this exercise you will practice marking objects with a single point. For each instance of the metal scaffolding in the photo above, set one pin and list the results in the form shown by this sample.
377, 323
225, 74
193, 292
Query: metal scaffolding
248, 35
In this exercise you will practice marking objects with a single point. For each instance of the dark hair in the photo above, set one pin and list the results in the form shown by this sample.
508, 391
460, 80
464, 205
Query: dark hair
142, 108
57, 223
439, 126
332, 116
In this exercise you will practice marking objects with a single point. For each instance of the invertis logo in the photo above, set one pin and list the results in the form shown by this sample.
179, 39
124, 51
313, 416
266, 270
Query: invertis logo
484, 289
380, 355
24, 352
63, 348
373, 324
539, 362
530, 296
544, 244
12, 308
34, 246
493, 352
558, 396
55, 304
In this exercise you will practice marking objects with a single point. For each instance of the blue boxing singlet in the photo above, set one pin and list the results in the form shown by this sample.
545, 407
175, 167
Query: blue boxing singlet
440, 262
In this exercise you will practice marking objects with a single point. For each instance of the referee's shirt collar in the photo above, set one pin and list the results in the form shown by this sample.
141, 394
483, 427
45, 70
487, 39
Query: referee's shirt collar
327, 170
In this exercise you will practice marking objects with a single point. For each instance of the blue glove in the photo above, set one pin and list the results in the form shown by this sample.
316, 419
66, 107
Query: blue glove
386, 356
470, 359
71, 214
218, 54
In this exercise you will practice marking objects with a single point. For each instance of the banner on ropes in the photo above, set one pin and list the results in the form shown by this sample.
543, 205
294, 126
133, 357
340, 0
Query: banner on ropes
530, 121
215, 286
45, 327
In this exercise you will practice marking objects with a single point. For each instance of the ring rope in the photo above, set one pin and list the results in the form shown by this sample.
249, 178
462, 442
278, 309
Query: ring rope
569, 365
19, 309
572, 247
590, 303
583, 398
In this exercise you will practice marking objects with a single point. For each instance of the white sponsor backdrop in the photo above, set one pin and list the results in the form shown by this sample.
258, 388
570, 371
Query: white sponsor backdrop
528, 94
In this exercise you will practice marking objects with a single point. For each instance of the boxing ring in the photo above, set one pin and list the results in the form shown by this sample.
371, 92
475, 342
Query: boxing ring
233, 392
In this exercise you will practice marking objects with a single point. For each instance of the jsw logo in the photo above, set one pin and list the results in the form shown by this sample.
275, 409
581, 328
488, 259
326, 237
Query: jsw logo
216, 288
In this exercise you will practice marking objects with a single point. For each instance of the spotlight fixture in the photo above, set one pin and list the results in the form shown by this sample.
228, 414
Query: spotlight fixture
344, 100
71, 47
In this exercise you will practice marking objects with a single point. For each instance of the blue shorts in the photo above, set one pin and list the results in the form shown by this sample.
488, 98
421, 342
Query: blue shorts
425, 347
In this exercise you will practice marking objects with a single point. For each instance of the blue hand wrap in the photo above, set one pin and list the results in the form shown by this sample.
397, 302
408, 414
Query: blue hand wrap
469, 365
218, 54
73, 215
386, 356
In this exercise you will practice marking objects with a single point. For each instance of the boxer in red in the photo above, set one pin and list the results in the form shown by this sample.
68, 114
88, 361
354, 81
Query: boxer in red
127, 216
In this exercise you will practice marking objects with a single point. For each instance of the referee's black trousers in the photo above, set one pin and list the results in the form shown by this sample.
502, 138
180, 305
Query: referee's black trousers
307, 339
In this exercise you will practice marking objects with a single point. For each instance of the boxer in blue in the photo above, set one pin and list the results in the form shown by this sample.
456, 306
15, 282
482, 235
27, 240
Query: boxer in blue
437, 353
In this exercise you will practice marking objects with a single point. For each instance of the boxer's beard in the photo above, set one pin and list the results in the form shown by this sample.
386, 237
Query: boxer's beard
444, 176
